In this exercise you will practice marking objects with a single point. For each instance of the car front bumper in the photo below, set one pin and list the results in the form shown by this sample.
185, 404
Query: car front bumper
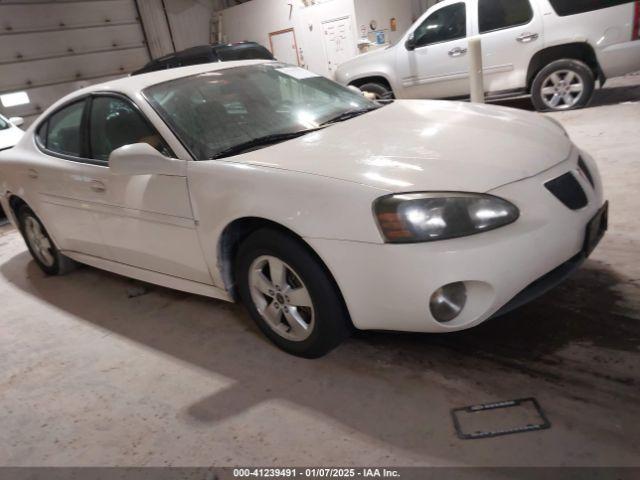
388, 287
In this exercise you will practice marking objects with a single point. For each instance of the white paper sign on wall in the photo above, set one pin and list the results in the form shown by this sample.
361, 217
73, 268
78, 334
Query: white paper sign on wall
297, 73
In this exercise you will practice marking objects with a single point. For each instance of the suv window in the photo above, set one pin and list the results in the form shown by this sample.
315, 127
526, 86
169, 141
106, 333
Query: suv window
448, 23
499, 14
63, 135
571, 7
114, 122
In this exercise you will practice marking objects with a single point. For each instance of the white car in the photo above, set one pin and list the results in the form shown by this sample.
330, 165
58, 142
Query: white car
317, 208
554, 50
9, 136
10, 132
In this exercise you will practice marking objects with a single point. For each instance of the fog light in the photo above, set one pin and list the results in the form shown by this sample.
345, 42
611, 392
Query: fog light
447, 302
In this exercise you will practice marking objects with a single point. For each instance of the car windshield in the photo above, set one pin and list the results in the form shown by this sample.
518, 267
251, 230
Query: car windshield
218, 112
4, 124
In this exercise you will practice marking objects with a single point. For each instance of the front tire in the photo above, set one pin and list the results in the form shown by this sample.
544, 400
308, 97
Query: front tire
380, 90
41, 246
563, 85
289, 294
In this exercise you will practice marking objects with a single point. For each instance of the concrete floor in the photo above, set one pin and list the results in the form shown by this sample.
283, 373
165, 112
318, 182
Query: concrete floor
96, 369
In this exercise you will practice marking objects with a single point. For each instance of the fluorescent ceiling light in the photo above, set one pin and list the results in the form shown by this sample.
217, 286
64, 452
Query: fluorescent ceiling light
14, 99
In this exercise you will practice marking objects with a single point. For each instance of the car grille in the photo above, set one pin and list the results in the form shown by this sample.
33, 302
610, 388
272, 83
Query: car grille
567, 189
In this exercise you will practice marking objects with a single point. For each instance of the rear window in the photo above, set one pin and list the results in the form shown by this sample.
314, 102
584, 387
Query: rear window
499, 14
63, 130
573, 7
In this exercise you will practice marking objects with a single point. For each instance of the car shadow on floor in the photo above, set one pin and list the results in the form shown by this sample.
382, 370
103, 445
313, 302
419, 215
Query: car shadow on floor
602, 97
395, 388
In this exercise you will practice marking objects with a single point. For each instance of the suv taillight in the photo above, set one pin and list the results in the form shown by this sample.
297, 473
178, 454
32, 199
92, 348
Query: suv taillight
635, 35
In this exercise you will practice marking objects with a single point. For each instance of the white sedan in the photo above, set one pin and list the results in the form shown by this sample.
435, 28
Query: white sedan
318, 209
9, 131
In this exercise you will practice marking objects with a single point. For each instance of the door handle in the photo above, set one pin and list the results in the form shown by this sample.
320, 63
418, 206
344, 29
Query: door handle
457, 52
527, 37
32, 173
97, 186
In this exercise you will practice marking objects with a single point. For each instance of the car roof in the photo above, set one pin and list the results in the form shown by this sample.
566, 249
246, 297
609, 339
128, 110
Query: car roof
237, 44
131, 86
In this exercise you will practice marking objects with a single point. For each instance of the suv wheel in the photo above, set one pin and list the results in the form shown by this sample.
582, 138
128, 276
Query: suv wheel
290, 295
563, 85
381, 91
40, 245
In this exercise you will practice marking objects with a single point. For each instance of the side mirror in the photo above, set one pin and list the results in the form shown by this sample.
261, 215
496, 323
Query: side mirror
410, 44
143, 159
16, 121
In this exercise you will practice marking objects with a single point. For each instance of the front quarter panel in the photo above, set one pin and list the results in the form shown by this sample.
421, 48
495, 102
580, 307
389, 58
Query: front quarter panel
311, 206
379, 63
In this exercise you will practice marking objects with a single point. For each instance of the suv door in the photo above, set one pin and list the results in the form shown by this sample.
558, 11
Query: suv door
512, 32
144, 220
437, 66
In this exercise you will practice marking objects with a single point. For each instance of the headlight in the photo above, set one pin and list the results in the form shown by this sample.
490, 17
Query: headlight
427, 217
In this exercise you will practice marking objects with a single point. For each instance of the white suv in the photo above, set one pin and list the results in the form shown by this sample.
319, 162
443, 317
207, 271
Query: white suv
554, 50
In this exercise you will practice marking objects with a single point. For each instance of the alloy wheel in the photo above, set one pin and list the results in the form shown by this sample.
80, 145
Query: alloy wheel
39, 242
281, 298
562, 90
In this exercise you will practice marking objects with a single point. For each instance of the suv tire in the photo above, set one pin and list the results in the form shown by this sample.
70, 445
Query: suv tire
380, 90
563, 85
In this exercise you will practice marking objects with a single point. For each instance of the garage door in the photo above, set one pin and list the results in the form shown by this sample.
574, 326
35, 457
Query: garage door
51, 48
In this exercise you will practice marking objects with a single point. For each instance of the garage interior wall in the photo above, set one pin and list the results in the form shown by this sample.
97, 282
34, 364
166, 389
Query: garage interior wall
421, 6
382, 11
189, 21
257, 19
51, 48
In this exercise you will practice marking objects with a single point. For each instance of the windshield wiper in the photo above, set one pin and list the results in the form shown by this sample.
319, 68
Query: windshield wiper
349, 114
260, 142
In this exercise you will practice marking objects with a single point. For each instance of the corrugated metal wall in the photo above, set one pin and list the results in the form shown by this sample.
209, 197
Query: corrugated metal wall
156, 26
50, 48
189, 21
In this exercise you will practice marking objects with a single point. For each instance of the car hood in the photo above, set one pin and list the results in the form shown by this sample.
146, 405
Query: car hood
422, 145
9, 137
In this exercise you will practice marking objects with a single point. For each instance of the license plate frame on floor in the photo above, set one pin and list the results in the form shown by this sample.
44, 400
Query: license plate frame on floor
596, 228
484, 407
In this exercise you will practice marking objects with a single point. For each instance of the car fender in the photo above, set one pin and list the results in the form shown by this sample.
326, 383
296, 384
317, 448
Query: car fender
379, 63
223, 191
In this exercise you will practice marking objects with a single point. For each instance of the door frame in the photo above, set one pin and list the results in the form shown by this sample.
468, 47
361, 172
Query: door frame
295, 41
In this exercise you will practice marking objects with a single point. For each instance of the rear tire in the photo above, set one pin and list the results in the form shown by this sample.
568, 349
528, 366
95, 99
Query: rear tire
380, 90
41, 246
290, 295
563, 85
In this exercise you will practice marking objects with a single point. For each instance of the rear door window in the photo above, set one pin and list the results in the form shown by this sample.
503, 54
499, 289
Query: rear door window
501, 14
573, 7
